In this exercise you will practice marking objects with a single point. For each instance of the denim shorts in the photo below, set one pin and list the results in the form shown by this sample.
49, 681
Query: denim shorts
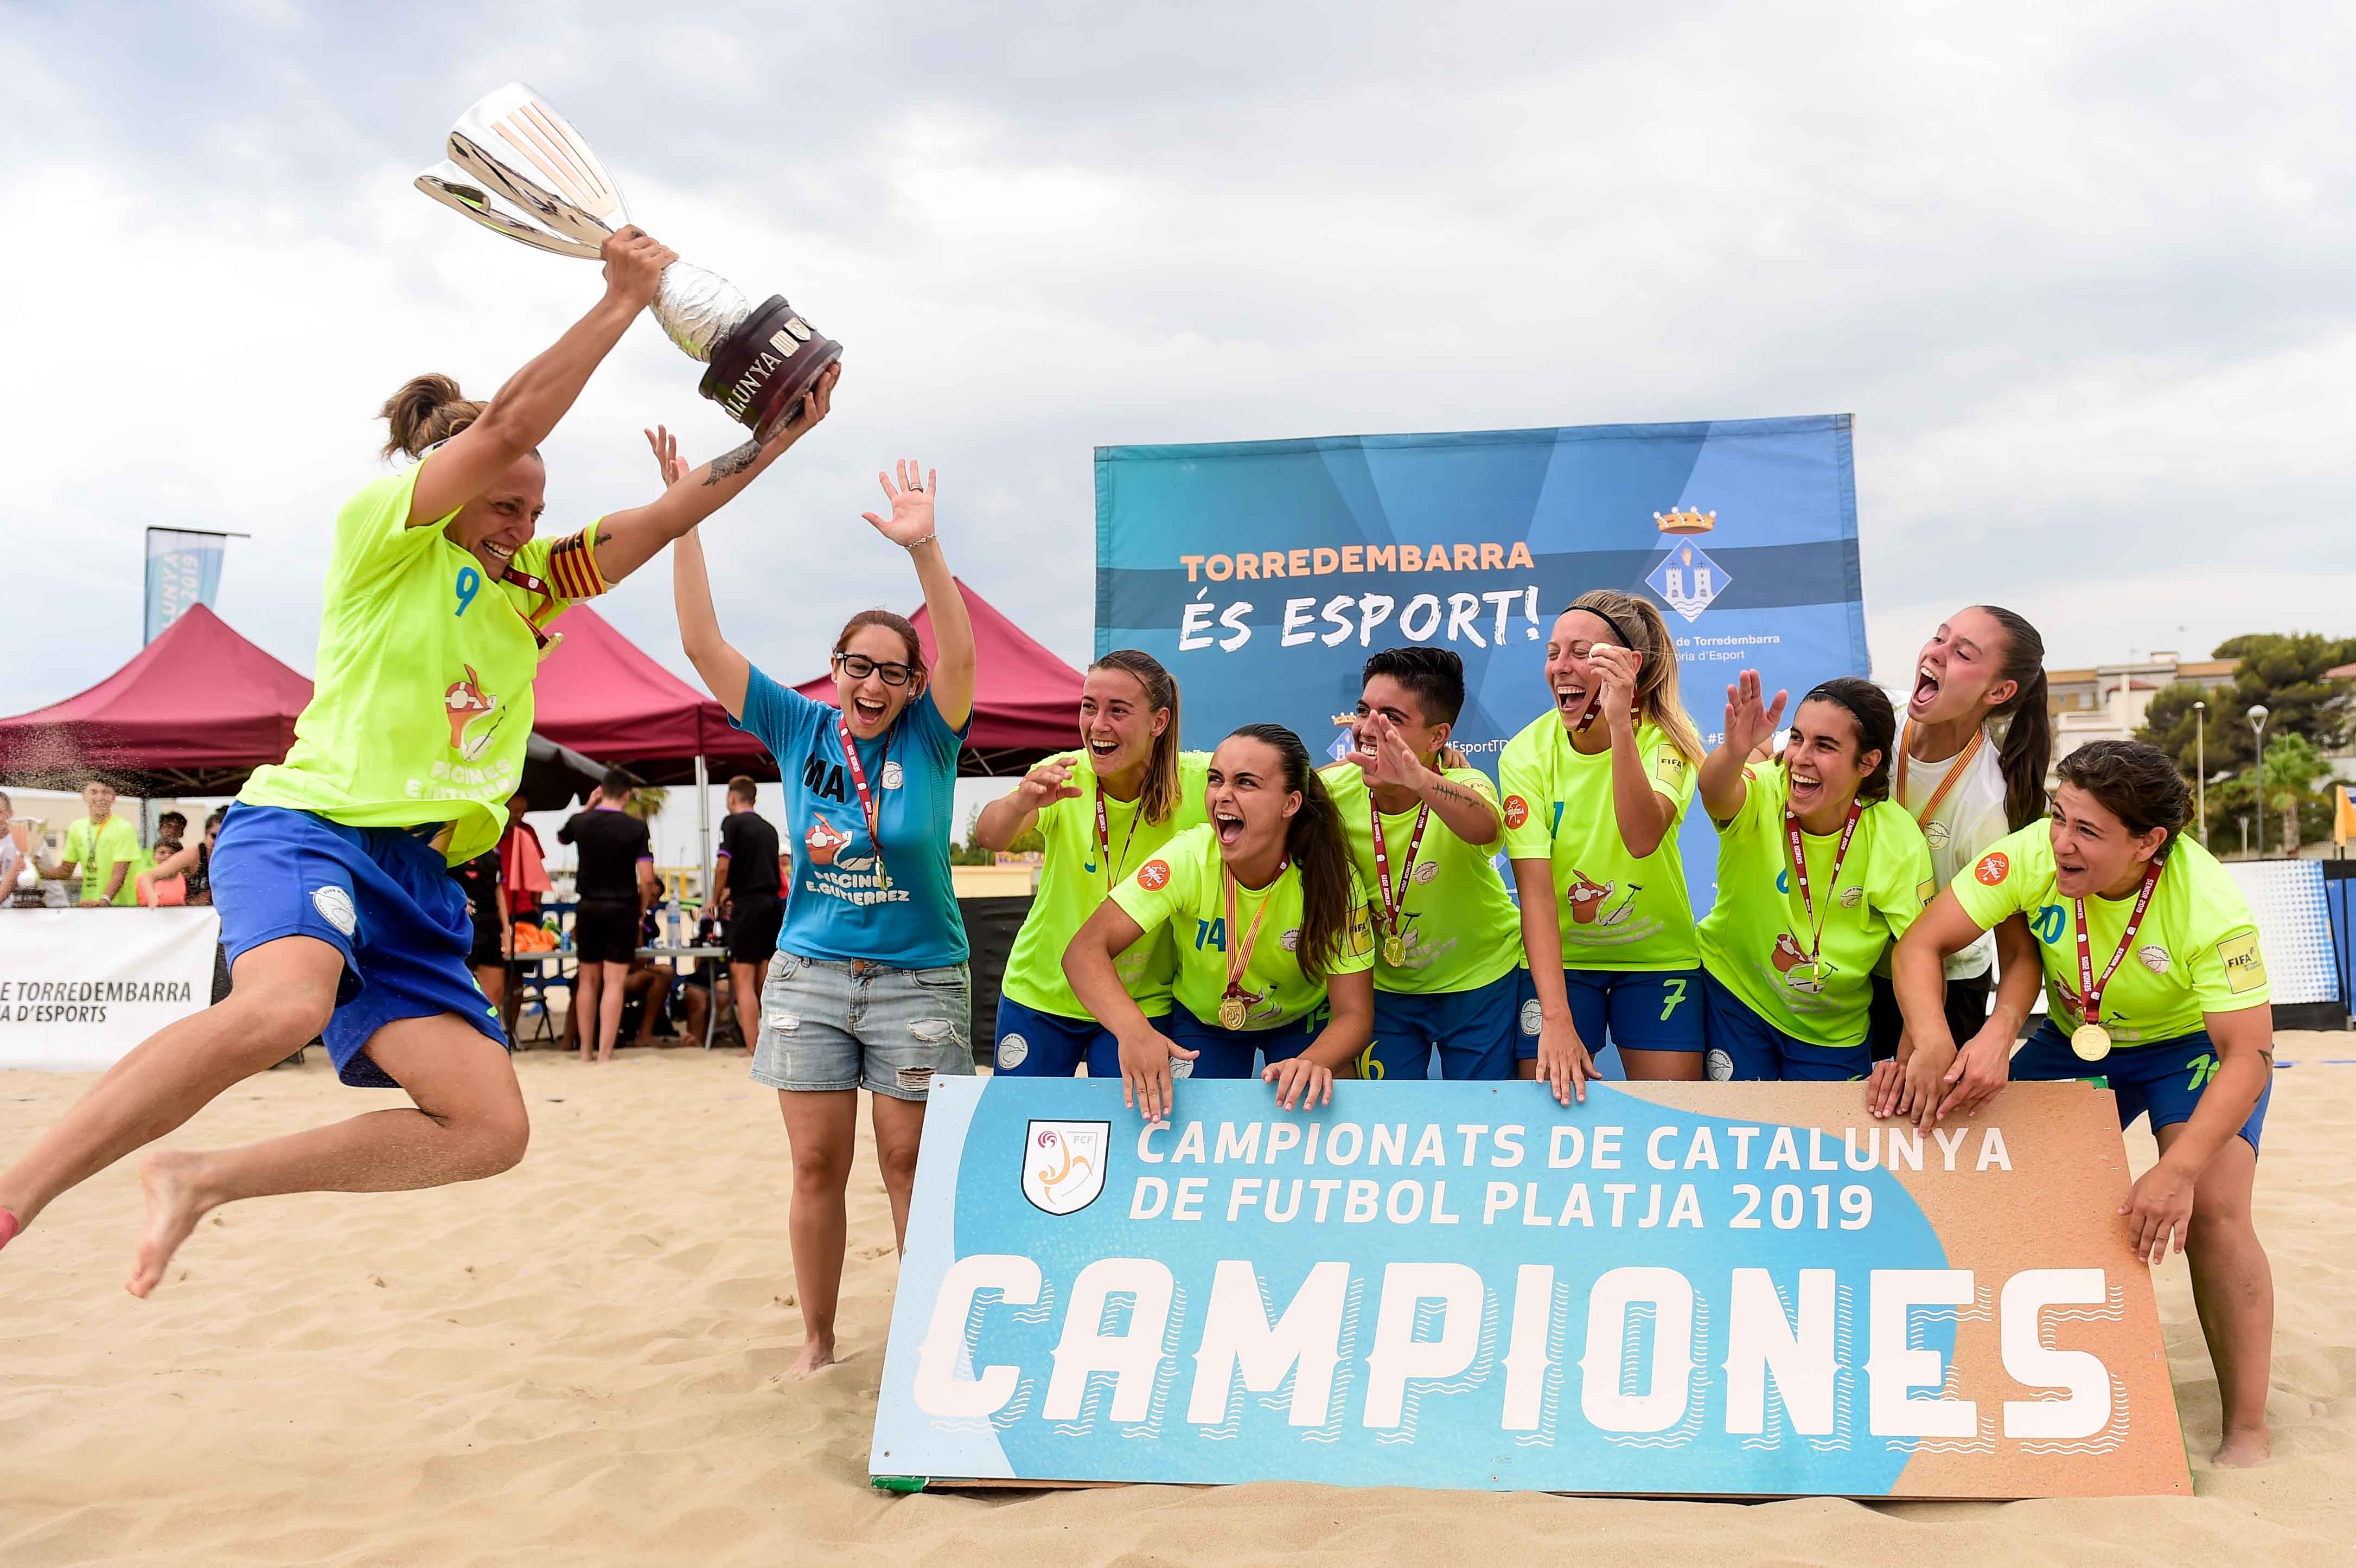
827, 1024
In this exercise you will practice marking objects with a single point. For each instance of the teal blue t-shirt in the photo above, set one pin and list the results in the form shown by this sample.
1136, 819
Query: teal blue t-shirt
837, 907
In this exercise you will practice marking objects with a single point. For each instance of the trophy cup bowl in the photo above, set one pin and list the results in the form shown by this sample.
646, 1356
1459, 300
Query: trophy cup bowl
519, 168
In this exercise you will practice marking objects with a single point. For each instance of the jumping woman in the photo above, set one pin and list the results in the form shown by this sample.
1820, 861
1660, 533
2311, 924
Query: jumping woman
1818, 871
1972, 750
2154, 980
1104, 811
1594, 791
329, 873
869, 986
1274, 946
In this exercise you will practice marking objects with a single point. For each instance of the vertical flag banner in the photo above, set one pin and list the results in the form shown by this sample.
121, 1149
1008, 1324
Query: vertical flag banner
183, 569
1715, 1290
1264, 573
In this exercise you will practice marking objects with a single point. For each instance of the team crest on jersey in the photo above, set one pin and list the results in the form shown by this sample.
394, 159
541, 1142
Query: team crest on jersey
1851, 897
474, 715
1013, 1051
895, 776
1936, 834
1797, 972
1291, 939
1063, 1165
1426, 870
1533, 1018
2154, 957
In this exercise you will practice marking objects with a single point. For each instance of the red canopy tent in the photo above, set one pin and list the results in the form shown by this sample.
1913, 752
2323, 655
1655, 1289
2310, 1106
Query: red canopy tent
1027, 703
193, 713
599, 693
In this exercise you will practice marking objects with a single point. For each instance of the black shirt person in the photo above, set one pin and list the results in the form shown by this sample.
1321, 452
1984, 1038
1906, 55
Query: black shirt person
750, 897
615, 882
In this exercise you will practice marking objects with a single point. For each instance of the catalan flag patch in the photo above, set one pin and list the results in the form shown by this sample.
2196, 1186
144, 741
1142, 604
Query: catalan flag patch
572, 566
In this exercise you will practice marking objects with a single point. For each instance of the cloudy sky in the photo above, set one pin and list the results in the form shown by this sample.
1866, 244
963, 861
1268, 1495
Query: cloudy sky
2080, 273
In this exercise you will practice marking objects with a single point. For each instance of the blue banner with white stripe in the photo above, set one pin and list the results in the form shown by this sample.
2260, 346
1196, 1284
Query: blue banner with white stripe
1263, 572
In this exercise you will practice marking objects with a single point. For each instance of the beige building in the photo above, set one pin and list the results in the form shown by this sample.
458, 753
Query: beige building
2108, 701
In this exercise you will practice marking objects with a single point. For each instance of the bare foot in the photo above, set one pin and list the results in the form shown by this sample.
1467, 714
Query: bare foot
816, 1355
2243, 1449
175, 1201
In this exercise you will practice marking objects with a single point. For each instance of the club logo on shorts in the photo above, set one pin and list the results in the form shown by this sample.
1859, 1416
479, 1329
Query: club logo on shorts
895, 776
1180, 1067
1011, 1050
1994, 868
2154, 957
1517, 811
1063, 1165
334, 907
1533, 1018
1153, 876
1719, 1067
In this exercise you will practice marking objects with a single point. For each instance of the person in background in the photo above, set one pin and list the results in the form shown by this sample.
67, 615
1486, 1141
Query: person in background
15, 850
1102, 811
2155, 985
750, 898
154, 887
184, 875
1818, 872
487, 955
615, 885
870, 986
100, 850
171, 828
1448, 949
523, 879
1595, 790
1274, 948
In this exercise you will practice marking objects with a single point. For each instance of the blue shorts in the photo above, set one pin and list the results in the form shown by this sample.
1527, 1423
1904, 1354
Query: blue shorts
1227, 1052
2164, 1079
1474, 1031
383, 897
1033, 1044
1748, 1049
1635, 1009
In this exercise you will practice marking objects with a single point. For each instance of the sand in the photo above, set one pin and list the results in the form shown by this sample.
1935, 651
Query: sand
583, 1360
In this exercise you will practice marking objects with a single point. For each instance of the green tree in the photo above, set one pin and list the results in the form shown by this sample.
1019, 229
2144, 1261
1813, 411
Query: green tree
969, 853
2285, 673
2293, 770
646, 802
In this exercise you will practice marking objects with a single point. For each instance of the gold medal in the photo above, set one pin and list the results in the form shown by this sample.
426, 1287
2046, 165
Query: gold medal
1232, 1012
1395, 950
2091, 1042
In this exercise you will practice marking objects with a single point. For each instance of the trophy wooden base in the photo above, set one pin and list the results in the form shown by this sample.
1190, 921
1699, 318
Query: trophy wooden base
761, 369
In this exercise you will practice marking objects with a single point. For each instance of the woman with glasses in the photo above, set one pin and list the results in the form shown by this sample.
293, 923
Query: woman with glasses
868, 987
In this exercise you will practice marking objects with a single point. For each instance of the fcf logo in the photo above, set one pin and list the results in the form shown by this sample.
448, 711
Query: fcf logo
1063, 1165
1153, 876
1993, 869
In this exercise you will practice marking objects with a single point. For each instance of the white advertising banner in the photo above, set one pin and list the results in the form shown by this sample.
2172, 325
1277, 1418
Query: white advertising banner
79, 988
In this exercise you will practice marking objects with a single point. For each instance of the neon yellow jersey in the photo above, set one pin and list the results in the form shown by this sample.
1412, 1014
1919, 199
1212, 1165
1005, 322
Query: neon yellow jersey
1180, 890
424, 701
1072, 882
1460, 925
95, 854
1755, 939
2197, 951
1617, 911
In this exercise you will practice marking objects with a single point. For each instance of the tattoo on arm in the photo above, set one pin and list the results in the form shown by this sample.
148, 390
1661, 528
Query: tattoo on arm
604, 535
2268, 1052
732, 463
1456, 792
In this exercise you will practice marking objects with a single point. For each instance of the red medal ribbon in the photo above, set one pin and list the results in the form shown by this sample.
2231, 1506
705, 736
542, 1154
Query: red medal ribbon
2089, 990
1104, 837
866, 802
1392, 904
1800, 871
1239, 952
1954, 770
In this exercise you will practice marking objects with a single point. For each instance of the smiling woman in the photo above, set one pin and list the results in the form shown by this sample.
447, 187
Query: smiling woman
338, 917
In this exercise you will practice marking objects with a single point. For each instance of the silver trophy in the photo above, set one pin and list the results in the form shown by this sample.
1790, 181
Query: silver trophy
517, 167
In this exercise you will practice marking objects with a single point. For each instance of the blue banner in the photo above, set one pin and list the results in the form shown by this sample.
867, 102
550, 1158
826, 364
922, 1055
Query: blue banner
183, 569
1462, 1285
1263, 572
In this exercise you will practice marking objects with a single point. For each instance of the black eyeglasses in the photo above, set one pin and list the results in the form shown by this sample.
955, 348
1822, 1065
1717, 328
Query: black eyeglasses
859, 667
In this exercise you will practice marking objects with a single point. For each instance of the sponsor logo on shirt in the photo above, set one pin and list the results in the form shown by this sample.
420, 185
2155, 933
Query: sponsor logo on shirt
473, 713
1993, 869
824, 841
1153, 876
1517, 811
1927, 891
2245, 966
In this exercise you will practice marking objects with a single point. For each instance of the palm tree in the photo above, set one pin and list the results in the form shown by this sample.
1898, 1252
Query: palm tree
2293, 769
647, 801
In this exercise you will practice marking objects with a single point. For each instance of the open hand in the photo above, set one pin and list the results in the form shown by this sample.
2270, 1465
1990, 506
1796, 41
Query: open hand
1391, 762
1749, 720
1299, 1082
667, 458
911, 522
1046, 785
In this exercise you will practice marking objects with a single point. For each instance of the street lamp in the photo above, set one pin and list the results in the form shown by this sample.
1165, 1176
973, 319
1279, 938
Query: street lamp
2200, 768
2257, 718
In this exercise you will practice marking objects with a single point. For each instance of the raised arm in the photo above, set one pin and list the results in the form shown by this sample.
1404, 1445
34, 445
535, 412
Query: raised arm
1461, 811
527, 409
628, 540
1749, 722
911, 527
725, 671
1642, 812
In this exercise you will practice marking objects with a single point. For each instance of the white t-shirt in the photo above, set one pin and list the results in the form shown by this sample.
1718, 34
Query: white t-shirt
1969, 818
